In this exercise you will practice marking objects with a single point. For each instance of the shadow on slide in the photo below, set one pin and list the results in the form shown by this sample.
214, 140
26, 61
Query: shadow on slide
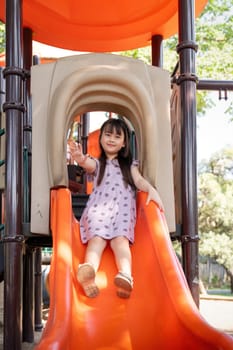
160, 313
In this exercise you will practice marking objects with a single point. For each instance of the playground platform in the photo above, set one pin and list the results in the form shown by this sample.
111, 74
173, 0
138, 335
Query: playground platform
218, 312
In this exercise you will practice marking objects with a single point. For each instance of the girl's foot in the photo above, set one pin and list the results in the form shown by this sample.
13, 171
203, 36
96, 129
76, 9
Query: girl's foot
86, 277
124, 284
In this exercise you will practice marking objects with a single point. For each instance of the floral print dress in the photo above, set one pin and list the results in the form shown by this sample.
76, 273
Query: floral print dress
111, 208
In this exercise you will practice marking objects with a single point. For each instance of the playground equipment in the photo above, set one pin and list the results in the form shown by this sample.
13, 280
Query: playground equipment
77, 84
142, 93
137, 26
160, 313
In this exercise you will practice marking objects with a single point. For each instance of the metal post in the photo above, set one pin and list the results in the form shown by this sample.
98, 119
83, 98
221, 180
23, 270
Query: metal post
38, 272
38, 290
85, 122
13, 239
222, 85
187, 80
28, 295
2, 162
28, 266
157, 50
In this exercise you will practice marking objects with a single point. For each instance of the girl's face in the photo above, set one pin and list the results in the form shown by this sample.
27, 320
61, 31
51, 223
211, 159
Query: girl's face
112, 142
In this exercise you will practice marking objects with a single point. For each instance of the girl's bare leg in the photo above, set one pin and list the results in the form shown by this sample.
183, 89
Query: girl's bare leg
123, 280
122, 253
87, 270
94, 251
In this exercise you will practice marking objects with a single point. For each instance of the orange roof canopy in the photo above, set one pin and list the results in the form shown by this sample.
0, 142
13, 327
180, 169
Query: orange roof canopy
100, 25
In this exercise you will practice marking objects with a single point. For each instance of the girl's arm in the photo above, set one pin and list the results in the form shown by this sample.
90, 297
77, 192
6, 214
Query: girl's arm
83, 160
143, 185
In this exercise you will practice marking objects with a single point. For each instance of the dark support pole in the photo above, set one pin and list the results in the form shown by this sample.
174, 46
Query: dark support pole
38, 290
187, 80
13, 239
38, 272
2, 162
28, 261
222, 85
157, 50
27, 125
85, 122
28, 295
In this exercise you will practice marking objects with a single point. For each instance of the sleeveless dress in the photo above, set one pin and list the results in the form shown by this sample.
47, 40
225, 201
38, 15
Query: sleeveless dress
111, 208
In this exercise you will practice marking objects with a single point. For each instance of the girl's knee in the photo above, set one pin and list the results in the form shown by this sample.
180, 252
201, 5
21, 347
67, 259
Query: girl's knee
118, 241
97, 240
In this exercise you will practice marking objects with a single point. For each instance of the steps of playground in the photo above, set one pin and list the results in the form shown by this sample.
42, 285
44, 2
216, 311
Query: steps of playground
78, 203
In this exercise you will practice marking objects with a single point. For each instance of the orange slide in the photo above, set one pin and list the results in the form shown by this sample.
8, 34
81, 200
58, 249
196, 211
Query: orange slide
160, 313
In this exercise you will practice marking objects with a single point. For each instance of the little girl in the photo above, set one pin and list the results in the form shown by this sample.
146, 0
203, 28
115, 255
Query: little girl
110, 213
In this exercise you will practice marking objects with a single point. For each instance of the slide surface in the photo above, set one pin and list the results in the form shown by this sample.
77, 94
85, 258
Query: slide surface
160, 313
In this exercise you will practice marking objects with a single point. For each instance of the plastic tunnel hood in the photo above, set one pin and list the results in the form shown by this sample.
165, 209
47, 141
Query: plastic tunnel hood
106, 82
100, 25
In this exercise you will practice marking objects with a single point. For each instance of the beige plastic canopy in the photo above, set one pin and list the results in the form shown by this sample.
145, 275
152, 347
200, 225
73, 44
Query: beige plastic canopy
92, 82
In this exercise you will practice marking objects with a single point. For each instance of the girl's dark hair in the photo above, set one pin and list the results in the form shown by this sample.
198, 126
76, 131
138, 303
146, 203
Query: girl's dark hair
124, 155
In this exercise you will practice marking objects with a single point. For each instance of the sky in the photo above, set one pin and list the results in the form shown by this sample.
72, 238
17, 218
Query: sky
214, 130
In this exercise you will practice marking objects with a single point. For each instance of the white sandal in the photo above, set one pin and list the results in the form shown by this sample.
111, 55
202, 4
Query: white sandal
124, 284
86, 277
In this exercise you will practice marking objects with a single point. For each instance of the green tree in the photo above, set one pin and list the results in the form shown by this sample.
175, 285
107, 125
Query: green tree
214, 36
143, 53
213, 29
2, 37
216, 209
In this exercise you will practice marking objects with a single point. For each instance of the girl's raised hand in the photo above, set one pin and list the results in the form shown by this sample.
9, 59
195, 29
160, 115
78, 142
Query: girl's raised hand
76, 150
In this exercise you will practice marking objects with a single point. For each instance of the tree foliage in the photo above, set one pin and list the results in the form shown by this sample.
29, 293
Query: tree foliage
214, 34
216, 209
143, 54
2, 37
214, 37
